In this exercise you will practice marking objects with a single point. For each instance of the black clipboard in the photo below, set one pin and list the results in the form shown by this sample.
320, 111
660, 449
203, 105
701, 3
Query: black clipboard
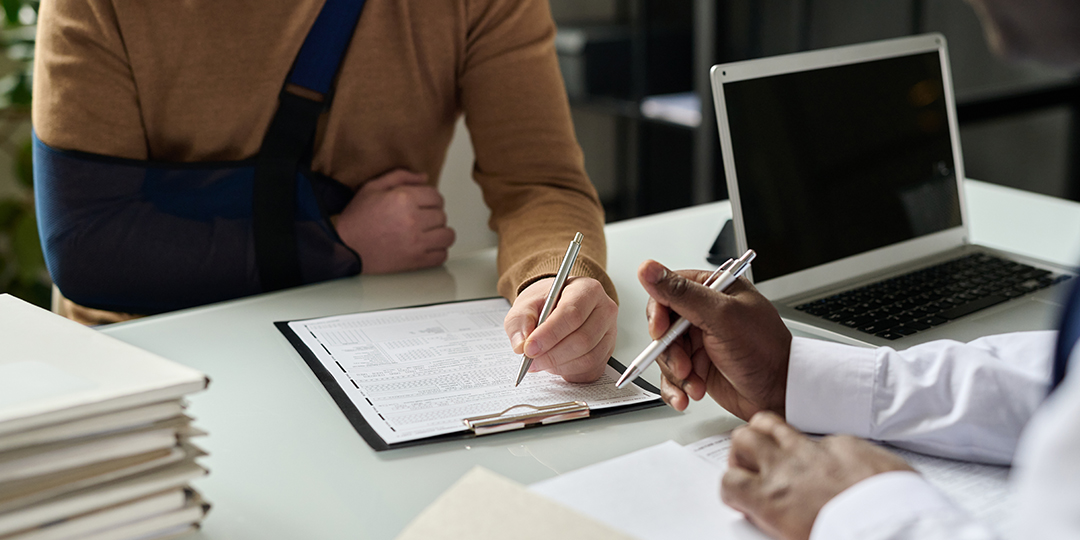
356, 418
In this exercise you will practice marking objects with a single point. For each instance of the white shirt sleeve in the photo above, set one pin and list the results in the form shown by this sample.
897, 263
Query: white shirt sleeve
895, 506
965, 401
1045, 482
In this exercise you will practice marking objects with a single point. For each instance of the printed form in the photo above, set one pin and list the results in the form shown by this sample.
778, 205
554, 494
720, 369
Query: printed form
418, 372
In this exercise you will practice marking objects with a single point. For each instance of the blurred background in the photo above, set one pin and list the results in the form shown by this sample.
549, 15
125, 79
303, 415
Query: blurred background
1016, 119
22, 269
636, 72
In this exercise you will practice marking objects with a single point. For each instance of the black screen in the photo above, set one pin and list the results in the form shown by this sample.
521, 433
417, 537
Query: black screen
838, 161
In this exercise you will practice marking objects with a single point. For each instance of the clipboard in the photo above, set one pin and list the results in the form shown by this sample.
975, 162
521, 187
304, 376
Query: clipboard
520, 416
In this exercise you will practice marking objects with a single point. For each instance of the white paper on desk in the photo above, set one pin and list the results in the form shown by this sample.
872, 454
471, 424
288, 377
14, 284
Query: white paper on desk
660, 492
418, 372
978, 488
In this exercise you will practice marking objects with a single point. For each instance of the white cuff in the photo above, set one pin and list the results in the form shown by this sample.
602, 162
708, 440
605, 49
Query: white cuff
829, 387
879, 503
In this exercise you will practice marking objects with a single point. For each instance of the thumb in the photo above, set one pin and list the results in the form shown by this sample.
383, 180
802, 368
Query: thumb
682, 292
521, 320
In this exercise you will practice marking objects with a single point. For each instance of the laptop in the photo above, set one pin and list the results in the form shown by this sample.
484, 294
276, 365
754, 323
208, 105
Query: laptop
843, 167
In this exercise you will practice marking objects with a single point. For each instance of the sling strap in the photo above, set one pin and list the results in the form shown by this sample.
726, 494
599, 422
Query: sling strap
287, 144
1068, 335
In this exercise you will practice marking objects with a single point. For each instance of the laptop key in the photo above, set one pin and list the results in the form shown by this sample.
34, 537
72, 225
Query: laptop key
857, 321
972, 307
889, 335
877, 326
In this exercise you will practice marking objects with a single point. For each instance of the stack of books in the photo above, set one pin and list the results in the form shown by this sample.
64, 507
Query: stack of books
94, 442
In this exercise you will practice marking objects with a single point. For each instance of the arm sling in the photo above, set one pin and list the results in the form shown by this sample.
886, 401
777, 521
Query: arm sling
143, 236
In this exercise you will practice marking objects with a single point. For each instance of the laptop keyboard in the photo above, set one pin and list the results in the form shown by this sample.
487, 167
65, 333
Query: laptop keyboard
913, 302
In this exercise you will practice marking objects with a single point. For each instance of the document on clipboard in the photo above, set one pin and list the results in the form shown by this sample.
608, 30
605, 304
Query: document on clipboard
411, 376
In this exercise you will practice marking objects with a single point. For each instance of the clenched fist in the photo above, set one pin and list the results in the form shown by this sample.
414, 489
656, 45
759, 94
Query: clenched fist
396, 223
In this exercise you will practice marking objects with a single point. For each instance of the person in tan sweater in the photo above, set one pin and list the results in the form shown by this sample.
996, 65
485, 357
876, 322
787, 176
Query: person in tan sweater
199, 81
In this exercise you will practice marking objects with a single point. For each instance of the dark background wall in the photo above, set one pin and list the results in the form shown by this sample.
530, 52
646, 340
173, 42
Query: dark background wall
1028, 151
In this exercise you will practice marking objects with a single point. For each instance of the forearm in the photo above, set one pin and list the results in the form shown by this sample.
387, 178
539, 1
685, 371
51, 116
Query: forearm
528, 162
966, 401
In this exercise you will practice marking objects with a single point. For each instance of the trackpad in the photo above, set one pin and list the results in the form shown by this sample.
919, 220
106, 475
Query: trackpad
1027, 314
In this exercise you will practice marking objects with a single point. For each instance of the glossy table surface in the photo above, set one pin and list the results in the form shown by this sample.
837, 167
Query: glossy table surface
286, 464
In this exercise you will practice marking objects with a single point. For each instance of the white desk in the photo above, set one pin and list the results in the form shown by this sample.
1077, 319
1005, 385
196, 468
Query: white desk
286, 464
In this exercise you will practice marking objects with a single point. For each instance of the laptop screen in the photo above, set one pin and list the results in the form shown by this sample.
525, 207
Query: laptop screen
838, 161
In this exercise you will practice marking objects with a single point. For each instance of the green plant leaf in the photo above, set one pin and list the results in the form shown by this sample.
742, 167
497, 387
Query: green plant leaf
11, 11
27, 249
34, 292
24, 164
10, 210
21, 94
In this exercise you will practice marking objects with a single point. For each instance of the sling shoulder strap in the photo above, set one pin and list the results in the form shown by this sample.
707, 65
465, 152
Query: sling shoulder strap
1068, 335
287, 144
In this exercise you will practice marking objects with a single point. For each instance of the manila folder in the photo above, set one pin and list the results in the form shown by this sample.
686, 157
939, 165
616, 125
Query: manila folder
485, 506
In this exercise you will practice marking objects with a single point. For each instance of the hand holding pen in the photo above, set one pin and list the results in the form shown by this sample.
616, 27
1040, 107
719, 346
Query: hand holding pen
738, 347
578, 336
719, 280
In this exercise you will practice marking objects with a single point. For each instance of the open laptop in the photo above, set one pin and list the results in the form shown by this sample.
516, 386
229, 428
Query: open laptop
843, 167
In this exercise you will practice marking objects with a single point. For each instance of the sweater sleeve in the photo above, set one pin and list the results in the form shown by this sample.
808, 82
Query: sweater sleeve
79, 42
528, 162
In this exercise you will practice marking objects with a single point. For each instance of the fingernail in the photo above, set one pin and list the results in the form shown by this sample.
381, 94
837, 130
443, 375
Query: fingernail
654, 273
516, 340
533, 349
686, 387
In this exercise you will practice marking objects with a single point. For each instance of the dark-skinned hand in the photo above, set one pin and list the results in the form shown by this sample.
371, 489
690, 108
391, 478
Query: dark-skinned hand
736, 349
781, 479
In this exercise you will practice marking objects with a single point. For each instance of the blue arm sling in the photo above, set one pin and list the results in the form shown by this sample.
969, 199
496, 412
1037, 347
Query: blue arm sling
146, 237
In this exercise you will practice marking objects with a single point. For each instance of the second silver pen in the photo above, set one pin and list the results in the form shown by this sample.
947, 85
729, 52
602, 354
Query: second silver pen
654, 349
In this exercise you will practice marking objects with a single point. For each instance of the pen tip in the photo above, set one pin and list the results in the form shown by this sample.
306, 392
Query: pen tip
521, 374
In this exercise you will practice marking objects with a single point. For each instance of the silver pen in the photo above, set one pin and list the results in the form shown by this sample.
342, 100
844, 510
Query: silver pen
553, 295
722, 281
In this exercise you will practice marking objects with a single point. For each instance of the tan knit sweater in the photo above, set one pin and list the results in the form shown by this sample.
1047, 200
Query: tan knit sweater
197, 80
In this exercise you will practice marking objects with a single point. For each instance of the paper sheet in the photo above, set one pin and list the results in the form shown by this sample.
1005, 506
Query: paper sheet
661, 492
418, 372
978, 488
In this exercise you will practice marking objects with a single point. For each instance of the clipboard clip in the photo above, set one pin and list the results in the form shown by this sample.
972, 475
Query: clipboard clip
547, 414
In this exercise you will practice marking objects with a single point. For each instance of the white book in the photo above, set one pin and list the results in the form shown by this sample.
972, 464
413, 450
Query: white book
109, 518
30, 491
165, 534
98, 497
163, 525
54, 457
54, 370
94, 425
